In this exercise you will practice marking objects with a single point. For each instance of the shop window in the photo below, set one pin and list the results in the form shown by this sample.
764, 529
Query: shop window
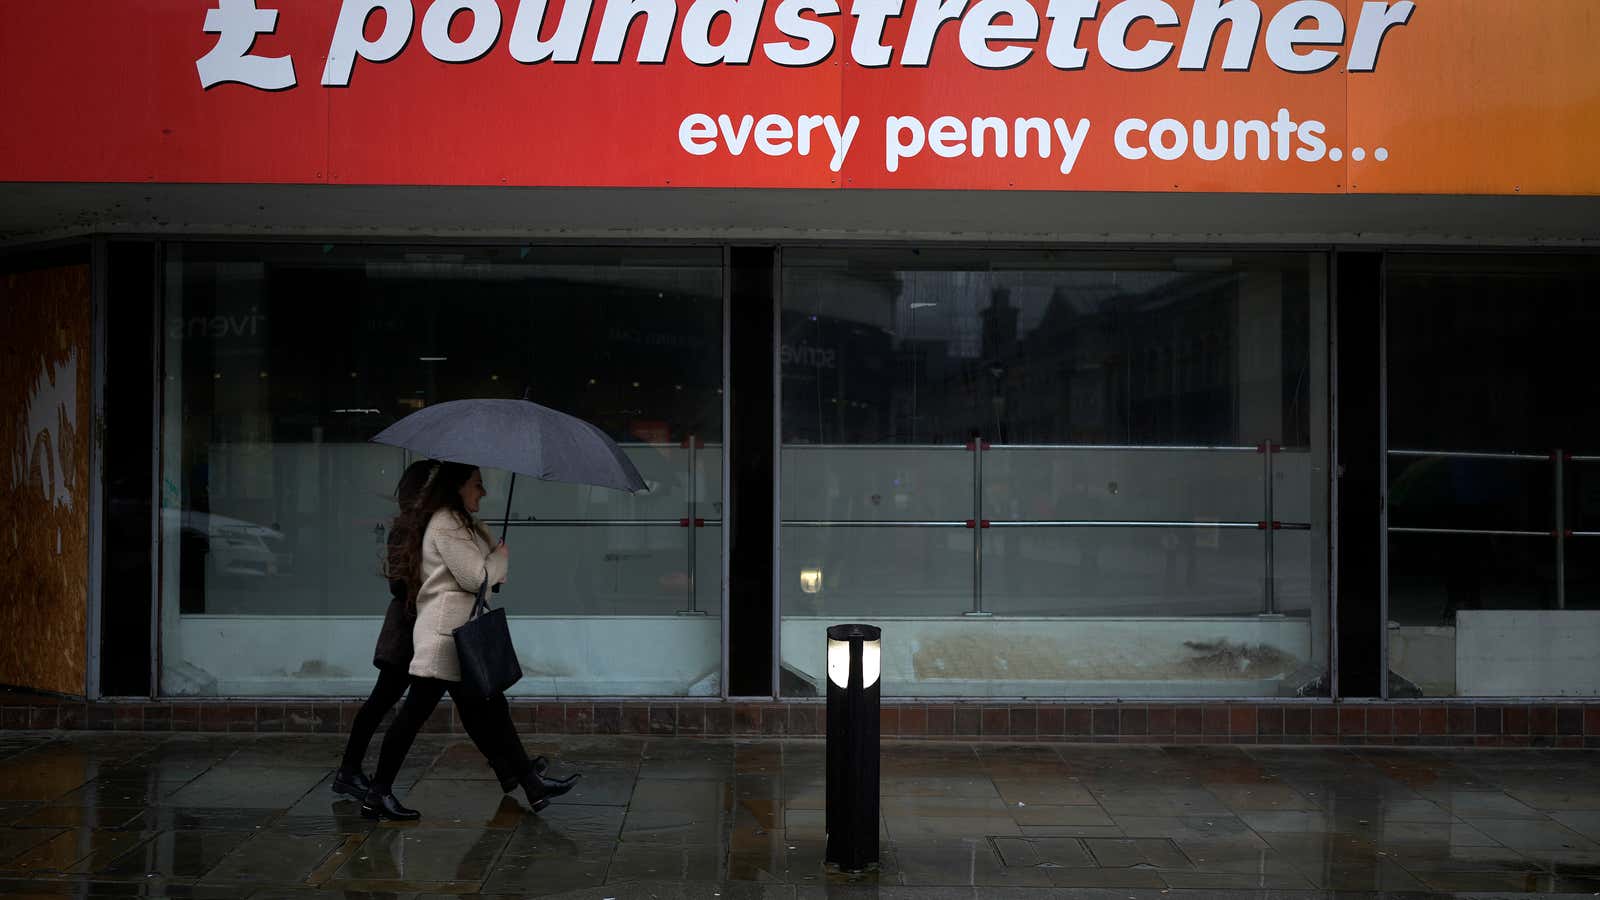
1494, 462
281, 361
1043, 474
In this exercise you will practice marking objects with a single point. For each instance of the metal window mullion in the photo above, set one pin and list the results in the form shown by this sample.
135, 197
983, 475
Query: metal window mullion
870, 523
977, 530
1123, 448
726, 395
584, 523
897, 447
1470, 454
1479, 532
1133, 523
158, 368
1383, 477
1033, 523
1331, 295
99, 261
1268, 600
690, 608
1561, 532
776, 523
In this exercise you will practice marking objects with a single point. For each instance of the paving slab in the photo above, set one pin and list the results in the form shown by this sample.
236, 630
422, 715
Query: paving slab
252, 816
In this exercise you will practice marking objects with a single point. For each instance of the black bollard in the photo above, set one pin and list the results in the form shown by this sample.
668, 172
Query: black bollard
853, 694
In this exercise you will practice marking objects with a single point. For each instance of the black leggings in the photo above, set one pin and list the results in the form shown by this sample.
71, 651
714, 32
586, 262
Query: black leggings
386, 693
487, 722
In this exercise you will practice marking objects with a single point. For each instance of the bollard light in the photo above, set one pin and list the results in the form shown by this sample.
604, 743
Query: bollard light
854, 664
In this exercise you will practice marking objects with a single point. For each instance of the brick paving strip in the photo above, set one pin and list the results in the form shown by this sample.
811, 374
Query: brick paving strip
246, 815
1317, 722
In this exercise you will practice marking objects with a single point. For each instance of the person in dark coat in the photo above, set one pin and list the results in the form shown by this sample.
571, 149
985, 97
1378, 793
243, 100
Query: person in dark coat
392, 658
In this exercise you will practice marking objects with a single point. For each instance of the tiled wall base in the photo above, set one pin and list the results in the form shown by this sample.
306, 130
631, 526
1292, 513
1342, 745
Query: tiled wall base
1438, 723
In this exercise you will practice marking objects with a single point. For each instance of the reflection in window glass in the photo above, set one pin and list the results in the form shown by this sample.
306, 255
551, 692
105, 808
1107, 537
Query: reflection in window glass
282, 361
1494, 460
1043, 473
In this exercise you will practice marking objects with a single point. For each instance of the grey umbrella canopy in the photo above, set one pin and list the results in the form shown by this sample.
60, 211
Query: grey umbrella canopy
519, 436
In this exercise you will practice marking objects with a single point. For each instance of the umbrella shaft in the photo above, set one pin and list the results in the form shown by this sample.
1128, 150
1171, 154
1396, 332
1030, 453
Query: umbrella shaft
510, 492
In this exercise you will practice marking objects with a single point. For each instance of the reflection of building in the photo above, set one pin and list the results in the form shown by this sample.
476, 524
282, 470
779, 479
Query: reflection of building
651, 348
1090, 366
1150, 368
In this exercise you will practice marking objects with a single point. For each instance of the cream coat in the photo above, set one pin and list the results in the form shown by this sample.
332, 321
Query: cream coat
454, 559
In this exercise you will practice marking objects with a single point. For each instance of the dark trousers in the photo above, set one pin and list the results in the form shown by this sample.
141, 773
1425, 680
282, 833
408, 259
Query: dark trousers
386, 693
487, 722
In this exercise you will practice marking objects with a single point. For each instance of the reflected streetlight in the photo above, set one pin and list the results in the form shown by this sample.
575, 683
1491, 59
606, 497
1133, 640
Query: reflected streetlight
811, 581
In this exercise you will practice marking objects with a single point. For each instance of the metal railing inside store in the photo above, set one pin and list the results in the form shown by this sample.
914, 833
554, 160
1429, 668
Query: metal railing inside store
692, 520
1267, 523
1558, 533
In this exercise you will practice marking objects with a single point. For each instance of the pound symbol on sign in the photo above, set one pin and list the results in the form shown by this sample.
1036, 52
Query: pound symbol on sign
236, 24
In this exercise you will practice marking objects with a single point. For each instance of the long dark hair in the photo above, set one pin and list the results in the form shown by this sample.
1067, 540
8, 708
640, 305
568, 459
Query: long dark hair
406, 494
439, 488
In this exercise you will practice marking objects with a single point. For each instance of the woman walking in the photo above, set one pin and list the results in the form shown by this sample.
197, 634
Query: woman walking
445, 555
392, 658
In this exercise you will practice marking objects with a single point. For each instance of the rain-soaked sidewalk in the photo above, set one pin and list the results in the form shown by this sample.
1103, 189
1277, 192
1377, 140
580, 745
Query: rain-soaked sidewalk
86, 814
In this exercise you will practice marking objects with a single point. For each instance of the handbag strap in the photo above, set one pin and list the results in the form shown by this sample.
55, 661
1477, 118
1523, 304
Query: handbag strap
480, 605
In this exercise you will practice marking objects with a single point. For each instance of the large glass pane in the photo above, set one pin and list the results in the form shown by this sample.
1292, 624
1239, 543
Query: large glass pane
1122, 572
1433, 577
882, 483
1493, 583
281, 361
846, 570
1582, 557
604, 552
609, 570
1125, 483
668, 484
1074, 450
1463, 492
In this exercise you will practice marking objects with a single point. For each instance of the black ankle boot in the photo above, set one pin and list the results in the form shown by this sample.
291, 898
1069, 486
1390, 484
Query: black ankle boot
542, 790
510, 780
384, 805
351, 784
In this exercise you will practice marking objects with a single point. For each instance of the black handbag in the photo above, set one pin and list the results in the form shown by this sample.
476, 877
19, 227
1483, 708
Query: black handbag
488, 661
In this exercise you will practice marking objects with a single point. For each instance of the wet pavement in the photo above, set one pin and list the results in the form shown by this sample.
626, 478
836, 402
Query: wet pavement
248, 816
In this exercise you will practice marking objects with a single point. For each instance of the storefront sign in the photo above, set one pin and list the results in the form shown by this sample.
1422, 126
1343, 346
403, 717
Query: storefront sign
1318, 96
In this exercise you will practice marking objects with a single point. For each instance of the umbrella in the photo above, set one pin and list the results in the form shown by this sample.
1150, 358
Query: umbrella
519, 436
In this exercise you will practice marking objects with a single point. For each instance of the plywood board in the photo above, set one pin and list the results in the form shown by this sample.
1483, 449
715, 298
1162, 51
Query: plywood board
44, 535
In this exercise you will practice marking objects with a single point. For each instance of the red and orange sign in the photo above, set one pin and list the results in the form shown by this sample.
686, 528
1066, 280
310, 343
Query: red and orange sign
1281, 96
